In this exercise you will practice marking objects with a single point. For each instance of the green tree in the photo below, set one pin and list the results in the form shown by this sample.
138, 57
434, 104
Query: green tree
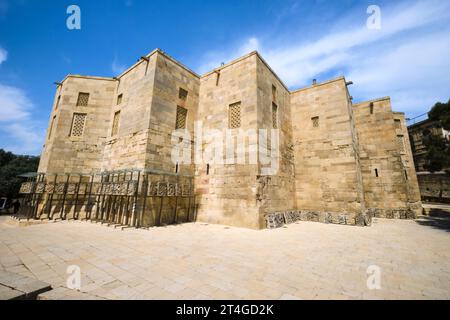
441, 113
438, 148
438, 153
10, 167
5, 157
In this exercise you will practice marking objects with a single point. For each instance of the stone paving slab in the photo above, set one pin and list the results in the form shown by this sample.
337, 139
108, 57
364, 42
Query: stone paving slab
6, 293
198, 261
18, 287
62, 293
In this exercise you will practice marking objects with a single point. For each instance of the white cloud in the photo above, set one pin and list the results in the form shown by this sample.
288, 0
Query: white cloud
407, 59
14, 104
414, 73
24, 138
339, 48
117, 68
213, 59
3, 55
20, 132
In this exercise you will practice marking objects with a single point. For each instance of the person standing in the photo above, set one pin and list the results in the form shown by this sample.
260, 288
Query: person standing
16, 206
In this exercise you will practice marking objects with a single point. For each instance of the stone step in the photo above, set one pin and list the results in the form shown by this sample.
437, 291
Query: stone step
18, 287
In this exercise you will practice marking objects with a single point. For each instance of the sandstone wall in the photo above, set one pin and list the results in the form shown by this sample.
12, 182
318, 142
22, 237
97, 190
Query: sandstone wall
388, 171
65, 153
406, 155
434, 187
327, 172
127, 148
275, 190
227, 194
170, 77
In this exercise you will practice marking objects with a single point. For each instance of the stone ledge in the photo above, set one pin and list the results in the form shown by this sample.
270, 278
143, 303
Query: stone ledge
19, 221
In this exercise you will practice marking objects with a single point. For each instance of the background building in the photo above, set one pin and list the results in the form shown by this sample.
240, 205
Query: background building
434, 186
417, 132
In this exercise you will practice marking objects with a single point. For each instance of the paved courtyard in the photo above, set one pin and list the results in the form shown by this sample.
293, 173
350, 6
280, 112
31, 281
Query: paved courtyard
199, 261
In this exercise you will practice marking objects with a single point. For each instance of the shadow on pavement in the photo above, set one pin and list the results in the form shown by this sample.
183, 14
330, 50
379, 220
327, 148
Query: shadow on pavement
438, 219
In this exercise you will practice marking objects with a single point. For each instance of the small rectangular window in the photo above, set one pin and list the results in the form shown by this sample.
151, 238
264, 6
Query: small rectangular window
376, 173
398, 124
51, 127
217, 78
83, 99
315, 122
371, 107
274, 93
119, 99
57, 102
182, 94
234, 116
115, 126
274, 116
181, 118
78, 123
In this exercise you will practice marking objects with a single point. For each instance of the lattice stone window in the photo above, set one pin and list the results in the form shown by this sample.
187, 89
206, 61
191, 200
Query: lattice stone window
78, 122
315, 122
182, 94
116, 120
83, 99
181, 118
401, 143
274, 116
234, 116
119, 99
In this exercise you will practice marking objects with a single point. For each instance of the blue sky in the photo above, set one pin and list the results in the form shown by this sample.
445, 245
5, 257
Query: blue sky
407, 59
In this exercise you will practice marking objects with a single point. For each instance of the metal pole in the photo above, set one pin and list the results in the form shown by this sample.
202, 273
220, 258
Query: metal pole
77, 190
50, 215
144, 194
62, 215
135, 217
88, 204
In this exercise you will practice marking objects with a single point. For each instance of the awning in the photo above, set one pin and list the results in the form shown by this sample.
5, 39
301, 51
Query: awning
28, 175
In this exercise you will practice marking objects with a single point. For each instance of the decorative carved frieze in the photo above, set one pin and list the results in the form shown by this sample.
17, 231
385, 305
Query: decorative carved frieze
279, 219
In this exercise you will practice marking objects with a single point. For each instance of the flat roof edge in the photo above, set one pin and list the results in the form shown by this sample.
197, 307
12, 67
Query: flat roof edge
229, 64
318, 84
372, 100
87, 77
